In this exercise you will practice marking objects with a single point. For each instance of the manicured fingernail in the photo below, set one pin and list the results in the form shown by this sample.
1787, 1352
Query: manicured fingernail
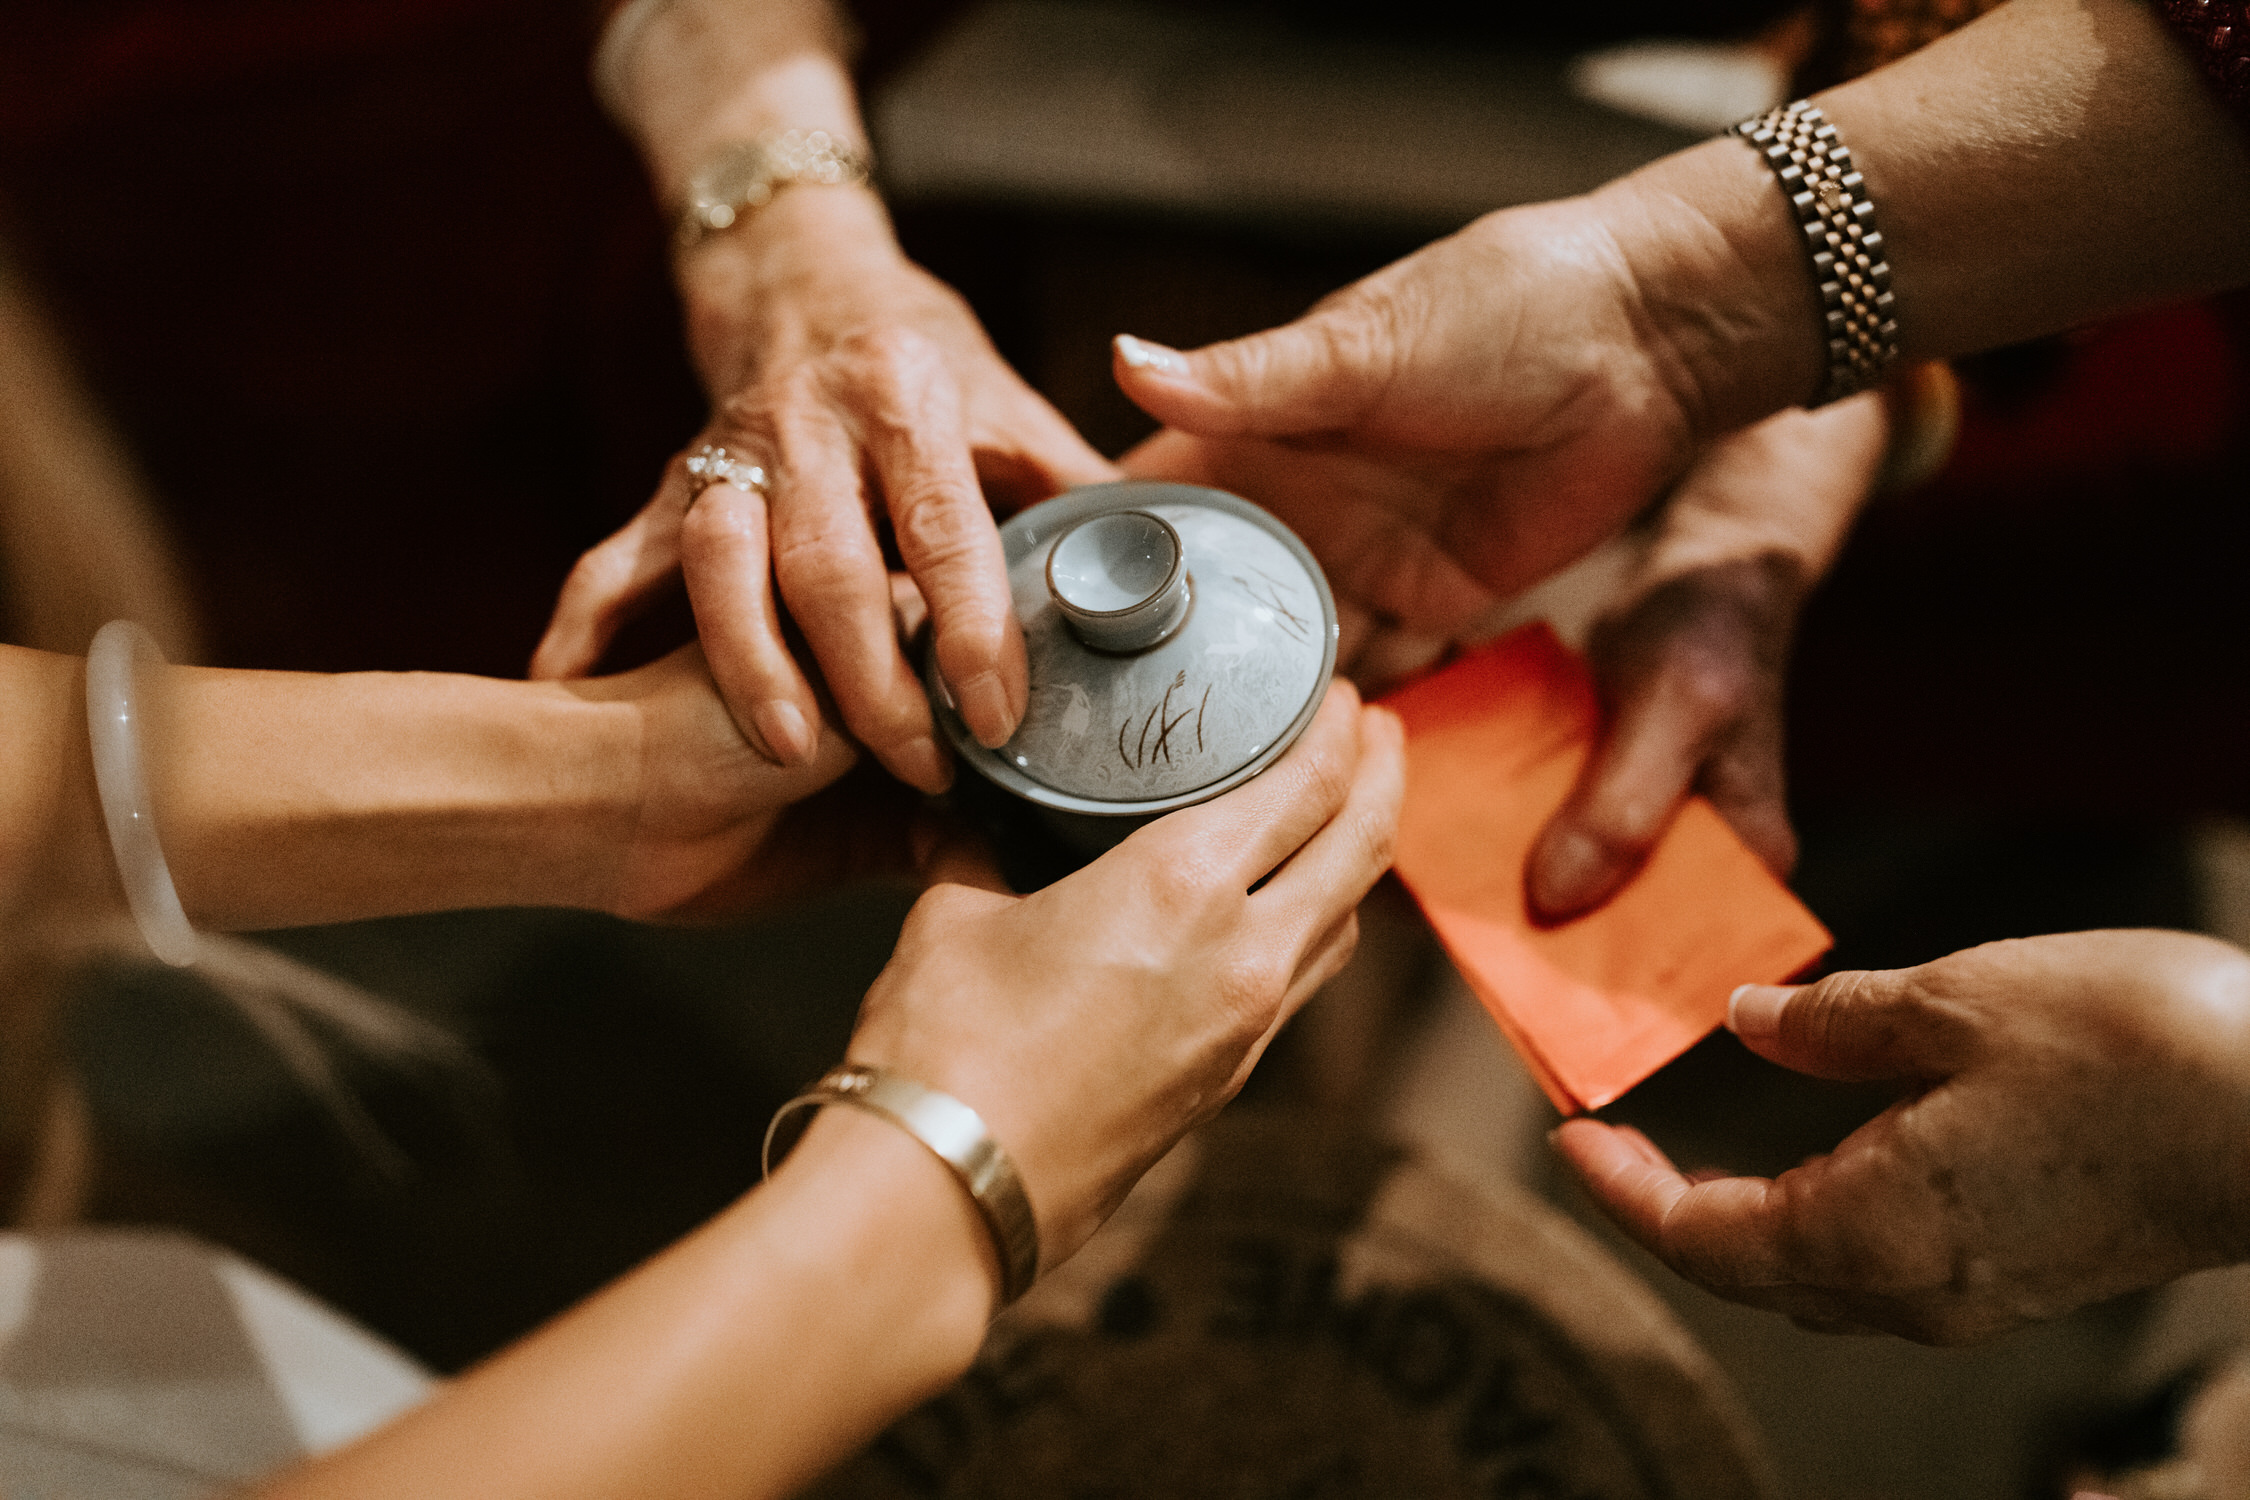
982, 702
1140, 354
921, 763
1572, 870
1754, 1010
788, 738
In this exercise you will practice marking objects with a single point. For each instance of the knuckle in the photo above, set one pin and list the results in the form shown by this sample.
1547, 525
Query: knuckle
1814, 1243
598, 578
1621, 823
1711, 681
939, 521
1248, 989
1820, 1016
1179, 890
823, 551
720, 522
753, 412
1350, 343
1322, 780
886, 723
891, 357
2211, 995
929, 917
595, 571
1360, 332
1347, 939
1377, 837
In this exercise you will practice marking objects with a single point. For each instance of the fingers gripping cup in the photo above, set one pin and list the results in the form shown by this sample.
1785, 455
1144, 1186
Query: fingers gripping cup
1180, 640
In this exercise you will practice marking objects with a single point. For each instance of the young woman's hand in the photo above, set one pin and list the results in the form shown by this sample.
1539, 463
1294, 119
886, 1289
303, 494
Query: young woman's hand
1095, 1022
713, 827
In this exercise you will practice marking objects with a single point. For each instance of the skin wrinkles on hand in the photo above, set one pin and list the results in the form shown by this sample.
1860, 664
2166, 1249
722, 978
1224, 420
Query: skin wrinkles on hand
2077, 1129
866, 391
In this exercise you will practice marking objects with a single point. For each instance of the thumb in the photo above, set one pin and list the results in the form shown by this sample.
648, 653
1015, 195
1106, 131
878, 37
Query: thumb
947, 851
1169, 454
1321, 373
1868, 1024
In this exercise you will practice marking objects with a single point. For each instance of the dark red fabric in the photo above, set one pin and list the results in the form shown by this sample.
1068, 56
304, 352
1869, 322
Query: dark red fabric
2062, 618
2217, 32
67, 62
376, 293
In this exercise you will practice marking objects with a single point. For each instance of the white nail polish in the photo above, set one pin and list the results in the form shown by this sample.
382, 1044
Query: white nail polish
1140, 354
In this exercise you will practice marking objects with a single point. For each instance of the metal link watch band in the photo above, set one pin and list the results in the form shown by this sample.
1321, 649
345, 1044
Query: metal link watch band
1830, 200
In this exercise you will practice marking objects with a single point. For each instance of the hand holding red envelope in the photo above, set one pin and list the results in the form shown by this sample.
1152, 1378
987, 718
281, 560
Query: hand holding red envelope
1495, 741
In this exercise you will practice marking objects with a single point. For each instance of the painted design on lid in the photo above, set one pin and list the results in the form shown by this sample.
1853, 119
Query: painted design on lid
1246, 646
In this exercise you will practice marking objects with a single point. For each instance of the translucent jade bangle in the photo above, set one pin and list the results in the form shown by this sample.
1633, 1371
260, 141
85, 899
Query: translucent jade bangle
114, 711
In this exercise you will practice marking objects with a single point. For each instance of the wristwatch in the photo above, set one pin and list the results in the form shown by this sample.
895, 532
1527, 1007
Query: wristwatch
744, 176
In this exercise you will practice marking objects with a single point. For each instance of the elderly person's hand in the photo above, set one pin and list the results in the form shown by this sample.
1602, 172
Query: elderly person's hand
862, 389
2079, 1126
873, 401
1097, 1020
1691, 648
1689, 643
1476, 415
1497, 403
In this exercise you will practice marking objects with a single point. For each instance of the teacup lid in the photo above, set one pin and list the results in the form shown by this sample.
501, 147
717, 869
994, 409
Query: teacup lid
1180, 640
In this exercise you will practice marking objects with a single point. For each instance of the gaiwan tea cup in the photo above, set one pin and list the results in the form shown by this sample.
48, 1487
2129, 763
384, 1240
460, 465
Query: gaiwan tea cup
1180, 640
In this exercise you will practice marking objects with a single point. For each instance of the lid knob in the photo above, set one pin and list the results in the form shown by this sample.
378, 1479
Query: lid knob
1120, 580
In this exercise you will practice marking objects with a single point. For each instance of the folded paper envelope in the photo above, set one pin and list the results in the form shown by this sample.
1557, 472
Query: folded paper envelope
1494, 742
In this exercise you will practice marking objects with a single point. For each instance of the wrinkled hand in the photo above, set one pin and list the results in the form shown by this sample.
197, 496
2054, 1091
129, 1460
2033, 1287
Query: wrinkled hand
1096, 1021
864, 388
1476, 415
2081, 1128
1691, 651
718, 829
1690, 641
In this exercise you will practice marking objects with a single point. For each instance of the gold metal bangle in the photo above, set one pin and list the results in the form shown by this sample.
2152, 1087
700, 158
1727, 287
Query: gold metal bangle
956, 1135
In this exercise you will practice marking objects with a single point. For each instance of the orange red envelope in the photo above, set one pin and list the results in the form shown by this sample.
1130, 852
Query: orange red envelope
1494, 742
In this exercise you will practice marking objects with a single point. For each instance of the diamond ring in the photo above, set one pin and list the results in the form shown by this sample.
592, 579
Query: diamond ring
709, 465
